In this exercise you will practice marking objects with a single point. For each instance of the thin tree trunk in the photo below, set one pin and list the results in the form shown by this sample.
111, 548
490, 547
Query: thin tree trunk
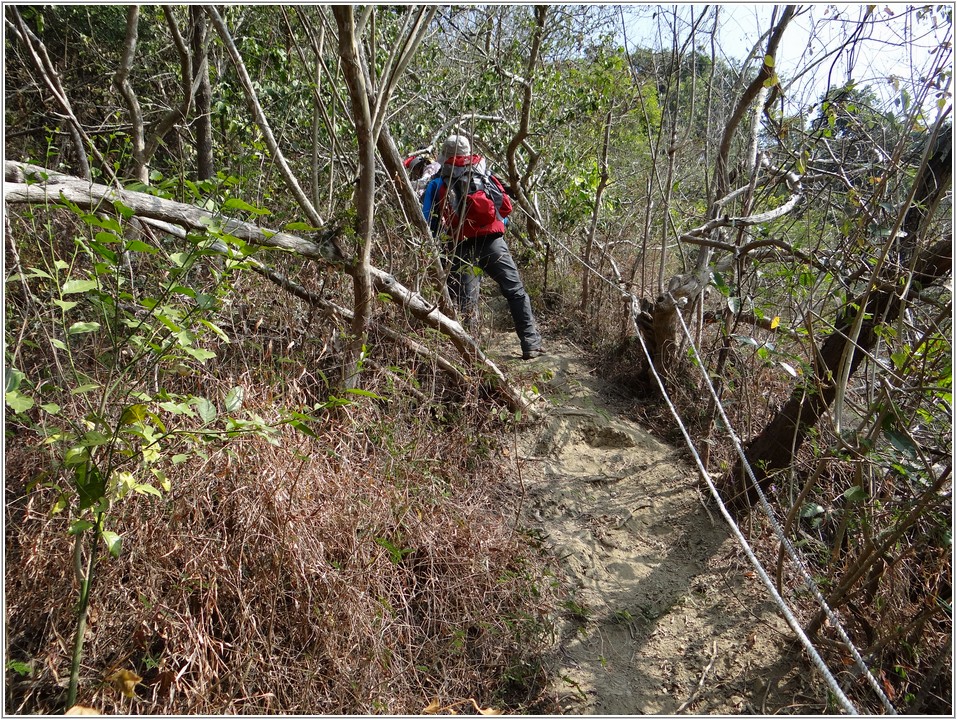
260, 117
205, 169
365, 191
599, 191
514, 177
122, 81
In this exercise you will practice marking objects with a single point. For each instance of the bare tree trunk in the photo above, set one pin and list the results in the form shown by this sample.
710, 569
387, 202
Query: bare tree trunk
599, 191
203, 124
122, 81
365, 191
514, 177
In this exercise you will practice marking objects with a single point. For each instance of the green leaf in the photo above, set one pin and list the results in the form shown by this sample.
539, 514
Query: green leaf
65, 305
78, 328
177, 459
176, 408
734, 304
13, 379
121, 209
38, 273
50, 408
234, 399
17, 402
20, 668
107, 223
855, 494
78, 527
106, 238
769, 61
147, 489
90, 485
76, 456
900, 441
78, 286
199, 353
215, 328
300, 227
206, 410
746, 340
237, 204
208, 302
303, 428
114, 543
810, 510
163, 480
395, 552
180, 258
94, 438
84, 388
140, 246
364, 393
719, 282
133, 414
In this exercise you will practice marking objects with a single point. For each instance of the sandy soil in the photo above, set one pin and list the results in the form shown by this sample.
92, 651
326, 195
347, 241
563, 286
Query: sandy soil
664, 614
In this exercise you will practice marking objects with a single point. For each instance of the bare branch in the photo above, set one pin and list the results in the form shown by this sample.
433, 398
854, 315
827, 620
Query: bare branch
291, 182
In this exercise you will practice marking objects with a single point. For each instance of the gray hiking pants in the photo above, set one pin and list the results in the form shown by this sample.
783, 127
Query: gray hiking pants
490, 254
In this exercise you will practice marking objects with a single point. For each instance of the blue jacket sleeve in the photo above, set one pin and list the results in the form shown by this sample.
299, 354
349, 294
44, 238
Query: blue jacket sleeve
429, 210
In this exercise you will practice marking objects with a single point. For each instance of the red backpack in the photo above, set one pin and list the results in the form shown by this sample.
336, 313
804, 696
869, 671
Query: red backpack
475, 200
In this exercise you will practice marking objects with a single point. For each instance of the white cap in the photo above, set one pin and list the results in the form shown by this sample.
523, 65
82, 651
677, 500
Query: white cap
455, 145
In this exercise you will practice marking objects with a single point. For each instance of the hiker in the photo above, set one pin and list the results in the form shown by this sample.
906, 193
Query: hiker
421, 169
474, 215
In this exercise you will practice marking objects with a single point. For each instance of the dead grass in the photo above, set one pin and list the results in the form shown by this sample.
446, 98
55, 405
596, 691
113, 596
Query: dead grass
363, 571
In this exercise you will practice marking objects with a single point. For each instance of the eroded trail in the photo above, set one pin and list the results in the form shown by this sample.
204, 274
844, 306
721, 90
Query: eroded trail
662, 594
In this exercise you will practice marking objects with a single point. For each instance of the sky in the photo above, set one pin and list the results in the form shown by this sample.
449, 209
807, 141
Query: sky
894, 45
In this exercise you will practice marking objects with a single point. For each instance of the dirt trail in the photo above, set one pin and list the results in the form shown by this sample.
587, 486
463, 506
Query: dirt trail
662, 594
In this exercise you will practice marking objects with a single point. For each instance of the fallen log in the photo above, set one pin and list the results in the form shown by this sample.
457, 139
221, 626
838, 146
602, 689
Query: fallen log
34, 185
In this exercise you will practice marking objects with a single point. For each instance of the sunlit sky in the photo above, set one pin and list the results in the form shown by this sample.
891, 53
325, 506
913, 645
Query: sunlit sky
890, 46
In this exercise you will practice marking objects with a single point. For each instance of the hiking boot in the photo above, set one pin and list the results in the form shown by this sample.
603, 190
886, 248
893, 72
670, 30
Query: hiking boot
532, 354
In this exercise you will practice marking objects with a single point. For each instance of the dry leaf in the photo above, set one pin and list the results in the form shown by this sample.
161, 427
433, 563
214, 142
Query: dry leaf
485, 711
125, 681
432, 708
82, 710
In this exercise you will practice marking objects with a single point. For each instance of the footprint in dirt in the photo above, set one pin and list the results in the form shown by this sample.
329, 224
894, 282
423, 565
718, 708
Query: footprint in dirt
663, 614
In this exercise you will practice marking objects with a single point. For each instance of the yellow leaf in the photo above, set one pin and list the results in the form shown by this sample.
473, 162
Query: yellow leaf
432, 708
775, 321
485, 711
125, 681
81, 710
